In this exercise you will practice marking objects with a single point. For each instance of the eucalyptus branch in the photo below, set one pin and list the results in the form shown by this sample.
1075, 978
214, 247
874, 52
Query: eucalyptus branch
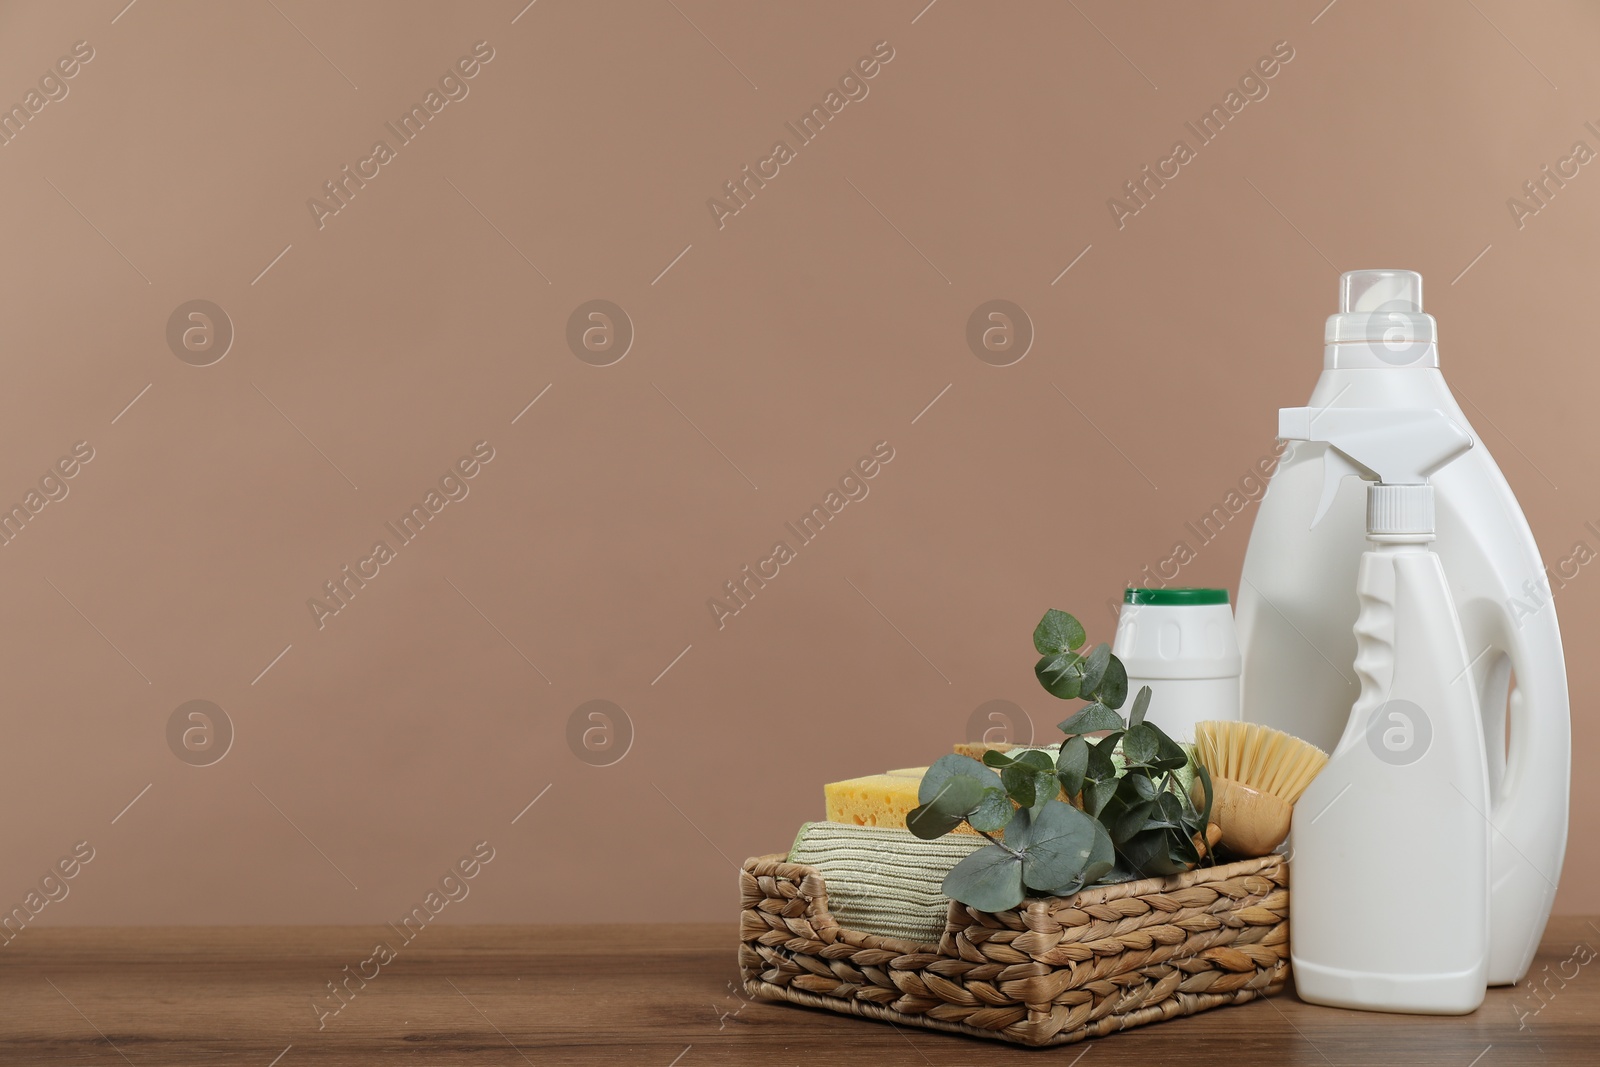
1116, 826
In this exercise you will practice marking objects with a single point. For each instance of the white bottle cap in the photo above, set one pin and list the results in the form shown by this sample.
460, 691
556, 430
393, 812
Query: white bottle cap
1400, 512
1380, 290
1382, 307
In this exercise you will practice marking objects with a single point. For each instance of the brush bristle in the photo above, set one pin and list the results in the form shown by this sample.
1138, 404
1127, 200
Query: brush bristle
1258, 756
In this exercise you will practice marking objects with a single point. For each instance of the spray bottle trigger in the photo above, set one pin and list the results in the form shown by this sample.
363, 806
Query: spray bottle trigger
1336, 467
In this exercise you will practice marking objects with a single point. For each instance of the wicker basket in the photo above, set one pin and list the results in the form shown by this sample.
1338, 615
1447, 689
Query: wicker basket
1052, 971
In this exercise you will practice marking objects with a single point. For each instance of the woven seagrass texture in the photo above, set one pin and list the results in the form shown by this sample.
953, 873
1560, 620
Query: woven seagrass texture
1049, 972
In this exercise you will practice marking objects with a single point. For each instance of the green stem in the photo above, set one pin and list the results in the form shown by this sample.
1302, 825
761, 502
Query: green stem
997, 841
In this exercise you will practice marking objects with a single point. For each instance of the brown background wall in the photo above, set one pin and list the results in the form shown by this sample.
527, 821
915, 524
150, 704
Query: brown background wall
769, 355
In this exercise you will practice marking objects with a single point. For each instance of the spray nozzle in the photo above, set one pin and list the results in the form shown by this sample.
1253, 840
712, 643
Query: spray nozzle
1397, 448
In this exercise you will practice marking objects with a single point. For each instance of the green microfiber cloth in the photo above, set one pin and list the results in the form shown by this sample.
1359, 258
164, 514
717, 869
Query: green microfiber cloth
883, 880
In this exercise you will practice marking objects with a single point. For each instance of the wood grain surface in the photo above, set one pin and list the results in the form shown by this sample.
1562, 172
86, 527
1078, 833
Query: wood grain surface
653, 995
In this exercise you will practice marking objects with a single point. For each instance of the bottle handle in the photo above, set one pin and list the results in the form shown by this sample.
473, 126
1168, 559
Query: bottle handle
1528, 742
1525, 647
1374, 633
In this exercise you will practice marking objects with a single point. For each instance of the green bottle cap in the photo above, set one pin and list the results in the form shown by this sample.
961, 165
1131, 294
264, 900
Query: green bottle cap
1174, 597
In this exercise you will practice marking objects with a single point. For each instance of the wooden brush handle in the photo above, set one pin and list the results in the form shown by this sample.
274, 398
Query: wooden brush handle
1253, 823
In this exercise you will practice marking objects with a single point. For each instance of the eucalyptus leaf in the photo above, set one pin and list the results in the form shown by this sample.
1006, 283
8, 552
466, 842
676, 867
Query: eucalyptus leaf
1071, 887
1057, 632
1101, 765
958, 795
1036, 759
1170, 761
1114, 686
1072, 765
1045, 786
1179, 856
1141, 704
1096, 795
928, 823
993, 812
1149, 855
1139, 787
1031, 778
948, 766
997, 759
1135, 787
1169, 813
1094, 668
1102, 858
1061, 674
1130, 821
1097, 870
1141, 744
1118, 872
1175, 810
990, 879
1182, 850
1056, 841
1090, 719
1170, 755
1018, 781
1204, 777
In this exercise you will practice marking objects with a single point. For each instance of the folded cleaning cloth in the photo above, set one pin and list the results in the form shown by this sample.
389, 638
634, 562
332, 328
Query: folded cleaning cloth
882, 880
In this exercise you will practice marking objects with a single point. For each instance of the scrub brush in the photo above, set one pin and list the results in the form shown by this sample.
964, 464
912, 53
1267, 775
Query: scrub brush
1257, 774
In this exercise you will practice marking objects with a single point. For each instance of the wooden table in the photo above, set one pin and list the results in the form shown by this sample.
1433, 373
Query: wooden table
654, 996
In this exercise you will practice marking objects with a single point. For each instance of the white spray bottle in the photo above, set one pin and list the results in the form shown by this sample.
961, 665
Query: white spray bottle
1295, 611
1390, 906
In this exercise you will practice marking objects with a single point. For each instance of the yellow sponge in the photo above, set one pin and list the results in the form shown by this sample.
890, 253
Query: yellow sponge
876, 800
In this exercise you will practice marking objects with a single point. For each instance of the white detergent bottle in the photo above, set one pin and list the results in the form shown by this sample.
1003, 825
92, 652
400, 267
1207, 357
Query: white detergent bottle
1405, 794
1295, 611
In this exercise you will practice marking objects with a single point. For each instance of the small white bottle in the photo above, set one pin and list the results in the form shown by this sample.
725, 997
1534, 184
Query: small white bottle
1181, 643
1390, 908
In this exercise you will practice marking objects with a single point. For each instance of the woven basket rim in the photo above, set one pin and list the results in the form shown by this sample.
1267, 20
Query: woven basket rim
1155, 885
